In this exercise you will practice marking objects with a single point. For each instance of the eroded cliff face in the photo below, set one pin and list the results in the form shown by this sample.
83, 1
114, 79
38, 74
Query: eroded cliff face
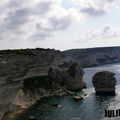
25, 79
17, 66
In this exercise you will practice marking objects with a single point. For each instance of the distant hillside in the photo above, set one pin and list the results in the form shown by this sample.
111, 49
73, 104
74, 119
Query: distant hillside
92, 56
86, 57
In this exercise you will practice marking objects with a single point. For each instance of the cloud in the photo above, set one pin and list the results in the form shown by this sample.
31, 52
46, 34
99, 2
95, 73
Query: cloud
110, 32
16, 19
96, 7
53, 20
22, 17
105, 33
41, 8
26, 20
92, 11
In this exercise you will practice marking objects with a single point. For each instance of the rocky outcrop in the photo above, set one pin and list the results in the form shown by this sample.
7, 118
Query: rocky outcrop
74, 77
104, 82
71, 77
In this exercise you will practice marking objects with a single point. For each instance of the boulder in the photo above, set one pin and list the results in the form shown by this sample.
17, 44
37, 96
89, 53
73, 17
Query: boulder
104, 82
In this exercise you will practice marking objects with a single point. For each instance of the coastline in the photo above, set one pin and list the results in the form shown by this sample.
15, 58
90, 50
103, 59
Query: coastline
13, 115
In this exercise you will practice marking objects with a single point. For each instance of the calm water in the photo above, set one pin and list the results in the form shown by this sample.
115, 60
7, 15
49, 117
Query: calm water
91, 108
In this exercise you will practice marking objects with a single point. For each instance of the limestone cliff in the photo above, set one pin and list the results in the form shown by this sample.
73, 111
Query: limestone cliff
24, 78
16, 66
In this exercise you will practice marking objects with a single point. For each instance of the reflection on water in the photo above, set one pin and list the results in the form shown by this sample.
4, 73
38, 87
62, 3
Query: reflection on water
91, 108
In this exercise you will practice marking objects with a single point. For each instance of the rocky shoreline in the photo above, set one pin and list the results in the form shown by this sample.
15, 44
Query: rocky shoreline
26, 99
39, 82
18, 110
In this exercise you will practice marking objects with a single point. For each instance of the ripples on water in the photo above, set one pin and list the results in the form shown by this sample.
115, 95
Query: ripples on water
91, 108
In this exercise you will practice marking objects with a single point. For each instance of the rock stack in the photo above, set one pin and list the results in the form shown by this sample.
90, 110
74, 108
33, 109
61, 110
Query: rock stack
70, 77
74, 77
104, 82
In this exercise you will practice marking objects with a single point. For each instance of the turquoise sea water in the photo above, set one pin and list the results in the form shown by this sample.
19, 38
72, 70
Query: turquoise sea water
91, 108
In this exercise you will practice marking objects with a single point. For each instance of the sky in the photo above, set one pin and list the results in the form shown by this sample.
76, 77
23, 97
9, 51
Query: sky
59, 24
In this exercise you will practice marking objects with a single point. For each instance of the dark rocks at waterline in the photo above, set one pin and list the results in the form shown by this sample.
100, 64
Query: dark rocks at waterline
71, 77
56, 105
78, 98
104, 82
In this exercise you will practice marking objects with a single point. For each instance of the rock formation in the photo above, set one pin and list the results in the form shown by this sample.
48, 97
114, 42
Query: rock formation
70, 77
74, 77
104, 82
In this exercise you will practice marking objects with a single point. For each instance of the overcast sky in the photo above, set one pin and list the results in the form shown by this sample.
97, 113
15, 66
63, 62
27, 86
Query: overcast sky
59, 24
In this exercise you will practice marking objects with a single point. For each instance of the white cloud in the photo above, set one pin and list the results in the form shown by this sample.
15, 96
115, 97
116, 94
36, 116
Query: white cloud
96, 7
18, 15
105, 33
24, 20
